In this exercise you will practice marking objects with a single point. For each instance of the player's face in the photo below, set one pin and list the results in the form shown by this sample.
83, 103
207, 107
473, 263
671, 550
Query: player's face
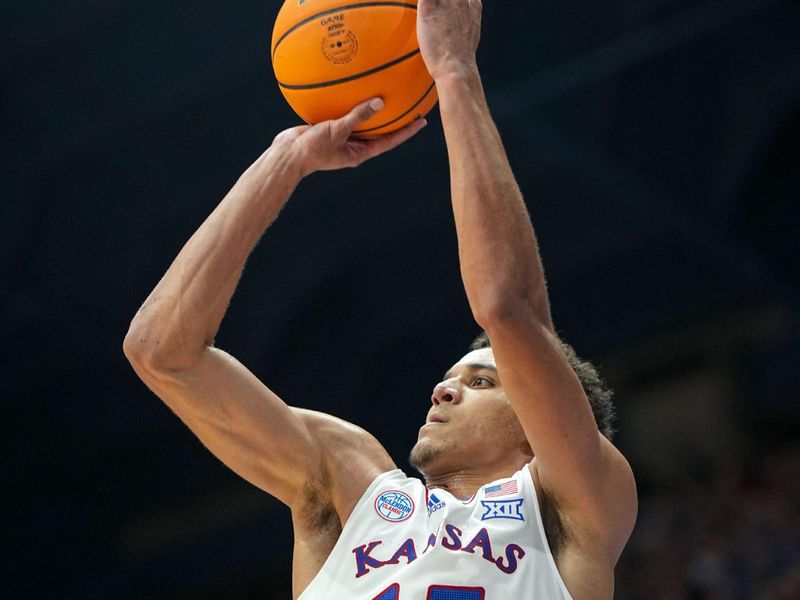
470, 420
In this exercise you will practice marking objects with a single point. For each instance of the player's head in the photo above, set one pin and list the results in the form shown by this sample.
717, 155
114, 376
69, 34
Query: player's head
478, 425
470, 422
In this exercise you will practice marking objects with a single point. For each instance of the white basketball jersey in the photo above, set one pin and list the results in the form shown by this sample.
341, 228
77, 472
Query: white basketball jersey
405, 542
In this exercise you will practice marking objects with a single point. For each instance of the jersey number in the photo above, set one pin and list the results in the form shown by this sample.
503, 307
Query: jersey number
437, 592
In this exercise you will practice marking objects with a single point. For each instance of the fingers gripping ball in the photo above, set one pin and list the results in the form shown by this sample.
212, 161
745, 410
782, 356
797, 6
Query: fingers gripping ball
329, 55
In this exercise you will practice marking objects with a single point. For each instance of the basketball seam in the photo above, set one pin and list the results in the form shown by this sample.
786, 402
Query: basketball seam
311, 86
413, 106
334, 10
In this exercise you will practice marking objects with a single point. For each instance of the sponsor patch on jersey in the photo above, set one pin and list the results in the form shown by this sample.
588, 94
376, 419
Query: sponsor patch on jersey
502, 509
501, 489
434, 504
394, 505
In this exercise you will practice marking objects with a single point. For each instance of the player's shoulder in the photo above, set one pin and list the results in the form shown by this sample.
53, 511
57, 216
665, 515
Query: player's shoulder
344, 441
328, 428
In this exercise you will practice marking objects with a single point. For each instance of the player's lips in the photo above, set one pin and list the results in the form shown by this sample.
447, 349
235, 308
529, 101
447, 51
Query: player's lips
435, 419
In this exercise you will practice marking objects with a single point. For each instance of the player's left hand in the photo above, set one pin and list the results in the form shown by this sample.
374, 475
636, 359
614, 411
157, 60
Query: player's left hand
448, 32
329, 145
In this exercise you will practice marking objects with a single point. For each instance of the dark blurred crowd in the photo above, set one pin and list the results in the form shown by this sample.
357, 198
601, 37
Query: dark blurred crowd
735, 535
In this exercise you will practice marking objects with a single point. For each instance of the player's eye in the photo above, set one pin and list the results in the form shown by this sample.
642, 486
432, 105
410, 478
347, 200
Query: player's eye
481, 382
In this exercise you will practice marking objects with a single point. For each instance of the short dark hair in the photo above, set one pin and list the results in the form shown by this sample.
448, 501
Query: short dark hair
597, 391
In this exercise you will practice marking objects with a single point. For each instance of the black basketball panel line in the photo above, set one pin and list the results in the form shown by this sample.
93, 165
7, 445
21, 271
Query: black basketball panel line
311, 86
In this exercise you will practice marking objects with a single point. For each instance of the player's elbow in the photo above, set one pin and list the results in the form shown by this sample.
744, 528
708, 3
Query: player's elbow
497, 309
139, 349
507, 306
152, 351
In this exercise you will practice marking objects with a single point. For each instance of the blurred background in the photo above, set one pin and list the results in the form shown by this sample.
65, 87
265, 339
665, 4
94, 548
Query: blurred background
658, 146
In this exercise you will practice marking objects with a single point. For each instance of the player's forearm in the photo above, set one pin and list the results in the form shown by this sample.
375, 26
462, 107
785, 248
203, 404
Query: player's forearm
498, 253
181, 316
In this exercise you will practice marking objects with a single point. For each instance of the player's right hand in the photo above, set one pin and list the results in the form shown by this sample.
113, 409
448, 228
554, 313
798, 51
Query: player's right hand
329, 145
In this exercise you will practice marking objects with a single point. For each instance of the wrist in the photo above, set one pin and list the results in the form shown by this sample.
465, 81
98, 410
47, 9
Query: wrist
457, 91
278, 169
459, 81
463, 72
288, 154
296, 163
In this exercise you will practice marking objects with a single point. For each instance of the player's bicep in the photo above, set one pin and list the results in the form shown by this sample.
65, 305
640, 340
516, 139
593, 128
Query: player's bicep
242, 422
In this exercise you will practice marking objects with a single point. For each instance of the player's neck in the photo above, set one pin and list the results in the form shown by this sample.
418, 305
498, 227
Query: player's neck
463, 483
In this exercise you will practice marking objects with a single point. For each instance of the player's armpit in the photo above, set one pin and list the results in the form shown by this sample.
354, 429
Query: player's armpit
240, 420
597, 525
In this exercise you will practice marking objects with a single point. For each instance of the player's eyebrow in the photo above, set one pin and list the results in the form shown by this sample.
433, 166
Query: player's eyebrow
471, 367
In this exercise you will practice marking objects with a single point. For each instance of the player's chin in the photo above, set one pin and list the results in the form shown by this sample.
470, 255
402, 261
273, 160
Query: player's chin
423, 453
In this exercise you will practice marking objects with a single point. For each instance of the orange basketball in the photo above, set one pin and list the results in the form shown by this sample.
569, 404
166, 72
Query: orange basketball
329, 55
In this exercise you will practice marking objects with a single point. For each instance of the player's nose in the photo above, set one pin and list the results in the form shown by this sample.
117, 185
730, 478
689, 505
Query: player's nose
445, 391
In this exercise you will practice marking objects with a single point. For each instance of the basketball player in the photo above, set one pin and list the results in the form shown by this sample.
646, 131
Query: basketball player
523, 496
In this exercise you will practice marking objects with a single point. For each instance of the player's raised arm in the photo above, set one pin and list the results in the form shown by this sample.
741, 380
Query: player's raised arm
170, 341
504, 281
